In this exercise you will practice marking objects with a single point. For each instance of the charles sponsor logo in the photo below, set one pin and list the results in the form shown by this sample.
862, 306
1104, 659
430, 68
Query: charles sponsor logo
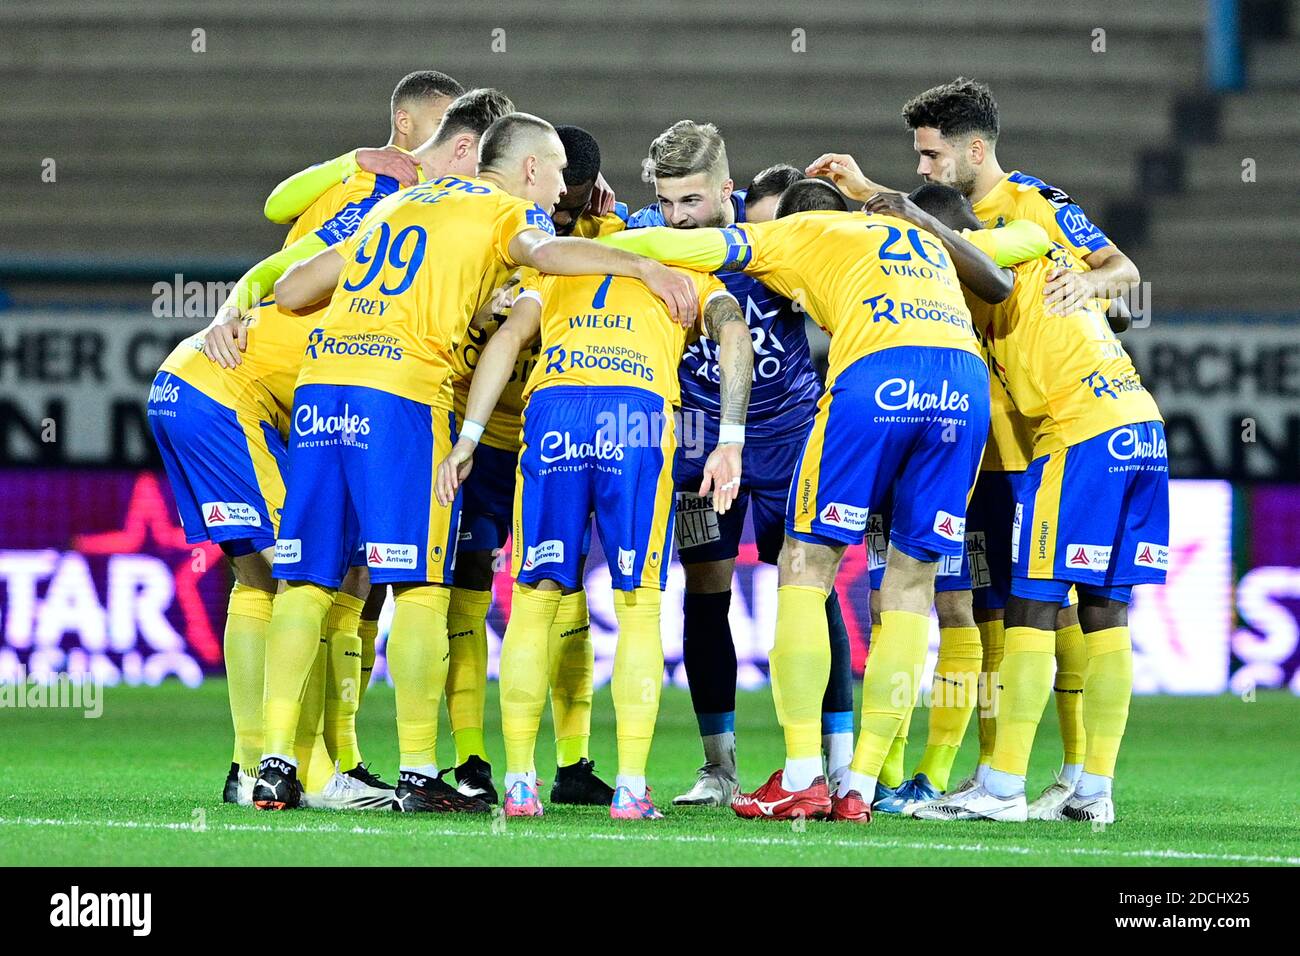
222, 513
546, 552
901, 394
288, 551
164, 391
560, 446
1150, 555
842, 515
949, 526
626, 561
1093, 557
380, 555
366, 344
309, 422
1125, 444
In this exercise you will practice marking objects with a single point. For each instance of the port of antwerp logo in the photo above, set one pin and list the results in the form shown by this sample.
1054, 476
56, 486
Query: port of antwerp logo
950, 526
1091, 556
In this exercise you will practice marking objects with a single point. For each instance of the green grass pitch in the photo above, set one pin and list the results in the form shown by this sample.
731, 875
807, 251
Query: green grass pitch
1202, 781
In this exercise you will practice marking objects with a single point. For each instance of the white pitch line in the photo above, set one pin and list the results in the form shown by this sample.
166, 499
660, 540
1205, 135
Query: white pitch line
1167, 854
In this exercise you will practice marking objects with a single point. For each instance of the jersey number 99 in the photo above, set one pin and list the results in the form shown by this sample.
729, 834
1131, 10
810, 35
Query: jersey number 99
393, 253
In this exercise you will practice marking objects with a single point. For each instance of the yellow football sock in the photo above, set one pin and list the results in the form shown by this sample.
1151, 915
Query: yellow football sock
800, 665
889, 686
342, 680
1026, 684
1107, 687
467, 670
572, 662
523, 673
639, 676
292, 643
952, 698
368, 632
417, 660
891, 771
993, 640
314, 764
1071, 663
248, 617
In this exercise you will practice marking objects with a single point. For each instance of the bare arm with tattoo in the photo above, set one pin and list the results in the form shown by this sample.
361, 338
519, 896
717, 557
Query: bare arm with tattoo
726, 326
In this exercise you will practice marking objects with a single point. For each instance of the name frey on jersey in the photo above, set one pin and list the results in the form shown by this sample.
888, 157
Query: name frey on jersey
77, 909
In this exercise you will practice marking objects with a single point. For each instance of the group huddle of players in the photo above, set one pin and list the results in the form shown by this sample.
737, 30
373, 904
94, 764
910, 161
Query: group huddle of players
466, 339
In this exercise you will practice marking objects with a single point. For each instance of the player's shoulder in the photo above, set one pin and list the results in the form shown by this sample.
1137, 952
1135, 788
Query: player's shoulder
1031, 187
650, 215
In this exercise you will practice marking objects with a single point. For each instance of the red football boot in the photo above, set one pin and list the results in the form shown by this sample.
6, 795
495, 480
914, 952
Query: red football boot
850, 808
771, 801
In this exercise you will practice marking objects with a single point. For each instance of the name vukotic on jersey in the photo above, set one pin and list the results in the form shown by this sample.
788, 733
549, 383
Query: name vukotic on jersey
367, 344
608, 358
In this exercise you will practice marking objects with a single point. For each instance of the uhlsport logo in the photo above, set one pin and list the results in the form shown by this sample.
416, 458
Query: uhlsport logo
381, 555
309, 422
841, 515
1093, 557
546, 552
902, 395
222, 513
1125, 444
949, 526
1150, 555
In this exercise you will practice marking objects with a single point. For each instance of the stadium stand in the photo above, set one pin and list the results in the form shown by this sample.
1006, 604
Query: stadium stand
152, 139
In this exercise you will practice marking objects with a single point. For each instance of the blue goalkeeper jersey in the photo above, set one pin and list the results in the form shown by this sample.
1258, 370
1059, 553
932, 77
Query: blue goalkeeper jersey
784, 396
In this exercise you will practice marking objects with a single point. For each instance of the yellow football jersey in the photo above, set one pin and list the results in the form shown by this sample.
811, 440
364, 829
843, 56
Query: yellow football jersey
335, 214
591, 227
611, 330
1070, 373
873, 282
1019, 196
502, 428
264, 381
428, 259
1010, 445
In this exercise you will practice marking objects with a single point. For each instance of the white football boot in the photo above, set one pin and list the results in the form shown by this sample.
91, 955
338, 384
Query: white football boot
975, 804
1050, 801
1099, 808
715, 786
342, 792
